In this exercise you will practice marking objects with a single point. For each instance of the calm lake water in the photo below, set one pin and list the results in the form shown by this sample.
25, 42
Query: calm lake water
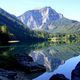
57, 57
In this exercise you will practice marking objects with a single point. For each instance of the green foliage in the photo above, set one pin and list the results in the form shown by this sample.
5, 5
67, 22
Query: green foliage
4, 36
3, 29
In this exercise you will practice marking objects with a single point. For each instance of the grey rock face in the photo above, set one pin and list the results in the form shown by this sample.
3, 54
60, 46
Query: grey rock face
36, 19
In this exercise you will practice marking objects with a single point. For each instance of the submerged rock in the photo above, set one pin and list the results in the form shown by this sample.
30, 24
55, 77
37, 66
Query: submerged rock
3, 78
20, 62
7, 75
58, 77
27, 64
75, 75
23, 57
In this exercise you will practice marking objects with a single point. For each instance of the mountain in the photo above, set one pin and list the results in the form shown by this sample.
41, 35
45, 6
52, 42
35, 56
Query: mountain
45, 19
16, 29
39, 18
48, 19
65, 25
14, 25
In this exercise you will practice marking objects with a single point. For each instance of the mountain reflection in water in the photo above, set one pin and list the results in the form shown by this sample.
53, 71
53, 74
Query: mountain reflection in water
51, 55
65, 69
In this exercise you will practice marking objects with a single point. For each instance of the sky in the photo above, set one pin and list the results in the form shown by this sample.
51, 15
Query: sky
69, 8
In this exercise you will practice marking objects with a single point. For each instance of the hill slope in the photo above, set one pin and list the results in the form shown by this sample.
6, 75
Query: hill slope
13, 24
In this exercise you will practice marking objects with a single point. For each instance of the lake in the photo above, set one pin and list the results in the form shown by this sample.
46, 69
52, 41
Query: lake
59, 57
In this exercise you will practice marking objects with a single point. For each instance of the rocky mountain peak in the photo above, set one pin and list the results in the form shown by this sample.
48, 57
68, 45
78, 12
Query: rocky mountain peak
48, 9
37, 19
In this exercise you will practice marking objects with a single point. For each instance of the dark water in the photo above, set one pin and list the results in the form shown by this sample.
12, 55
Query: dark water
57, 57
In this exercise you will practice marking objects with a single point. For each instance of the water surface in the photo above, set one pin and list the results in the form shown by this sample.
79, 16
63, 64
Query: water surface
57, 57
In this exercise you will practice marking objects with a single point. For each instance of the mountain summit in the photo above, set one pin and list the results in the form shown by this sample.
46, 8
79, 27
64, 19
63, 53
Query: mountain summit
37, 19
48, 19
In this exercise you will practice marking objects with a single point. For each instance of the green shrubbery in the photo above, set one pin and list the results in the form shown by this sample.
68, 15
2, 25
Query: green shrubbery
4, 36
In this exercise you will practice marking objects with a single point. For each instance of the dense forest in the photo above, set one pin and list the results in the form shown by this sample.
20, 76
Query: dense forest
36, 36
30, 36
